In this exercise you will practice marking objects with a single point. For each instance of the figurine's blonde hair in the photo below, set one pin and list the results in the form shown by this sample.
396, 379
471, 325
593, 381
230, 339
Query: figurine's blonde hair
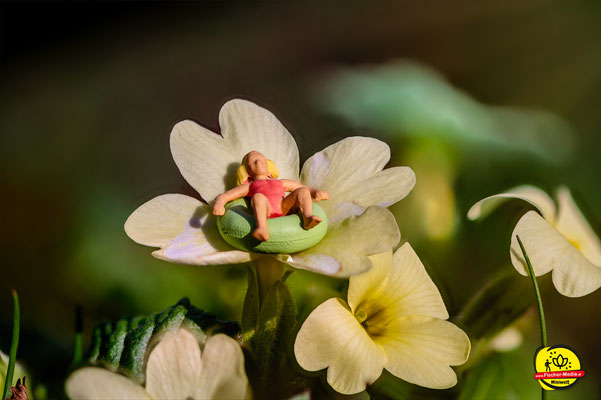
242, 174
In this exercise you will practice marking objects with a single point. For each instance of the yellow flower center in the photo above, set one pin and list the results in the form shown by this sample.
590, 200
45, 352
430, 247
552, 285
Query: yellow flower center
371, 317
361, 316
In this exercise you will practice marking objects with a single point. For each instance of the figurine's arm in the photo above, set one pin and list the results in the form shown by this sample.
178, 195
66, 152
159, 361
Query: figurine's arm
232, 194
316, 194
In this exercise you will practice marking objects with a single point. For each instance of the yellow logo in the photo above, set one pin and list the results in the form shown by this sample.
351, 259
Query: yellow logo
557, 367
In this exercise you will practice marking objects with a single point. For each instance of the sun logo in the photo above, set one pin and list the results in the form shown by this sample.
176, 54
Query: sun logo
557, 367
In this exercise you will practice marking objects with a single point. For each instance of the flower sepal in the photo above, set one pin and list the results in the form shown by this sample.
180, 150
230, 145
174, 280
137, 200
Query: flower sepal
268, 326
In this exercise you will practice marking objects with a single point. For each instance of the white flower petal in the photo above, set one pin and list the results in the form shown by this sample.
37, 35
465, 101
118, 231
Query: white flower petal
573, 274
531, 194
576, 276
174, 366
397, 285
156, 222
331, 337
223, 374
409, 290
92, 383
345, 249
370, 283
420, 349
200, 243
544, 245
572, 224
351, 171
209, 161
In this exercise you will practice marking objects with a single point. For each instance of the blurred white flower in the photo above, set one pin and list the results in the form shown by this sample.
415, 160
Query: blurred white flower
561, 240
175, 369
394, 319
351, 170
508, 339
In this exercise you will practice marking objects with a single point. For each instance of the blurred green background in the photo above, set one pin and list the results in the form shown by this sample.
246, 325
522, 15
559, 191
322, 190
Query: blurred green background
475, 96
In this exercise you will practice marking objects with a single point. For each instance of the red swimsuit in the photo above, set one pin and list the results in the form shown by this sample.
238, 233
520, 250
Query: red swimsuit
273, 189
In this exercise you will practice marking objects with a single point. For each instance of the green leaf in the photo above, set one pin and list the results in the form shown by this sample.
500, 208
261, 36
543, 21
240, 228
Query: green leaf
112, 347
275, 328
172, 321
501, 376
250, 310
497, 305
135, 321
134, 349
100, 338
96, 343
123, 346
389, 387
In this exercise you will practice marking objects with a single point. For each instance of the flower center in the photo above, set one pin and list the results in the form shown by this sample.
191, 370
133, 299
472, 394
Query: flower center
361, 316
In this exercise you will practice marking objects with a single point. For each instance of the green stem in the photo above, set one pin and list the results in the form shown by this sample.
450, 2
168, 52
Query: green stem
541, 313
13, 347
269, 271
78, 337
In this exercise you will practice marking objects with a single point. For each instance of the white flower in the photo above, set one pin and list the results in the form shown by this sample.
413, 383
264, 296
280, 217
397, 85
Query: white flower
560, 240
394, 319
350, 170
508, 339
175, 370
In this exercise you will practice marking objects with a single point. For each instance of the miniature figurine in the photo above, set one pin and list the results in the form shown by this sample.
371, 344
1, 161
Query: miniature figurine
256, 178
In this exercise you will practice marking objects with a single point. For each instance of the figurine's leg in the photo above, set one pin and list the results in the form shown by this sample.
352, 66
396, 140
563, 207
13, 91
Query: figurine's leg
300, 199
262, 209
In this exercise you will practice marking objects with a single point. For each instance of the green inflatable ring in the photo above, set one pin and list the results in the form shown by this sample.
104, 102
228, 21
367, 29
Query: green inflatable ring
286, 234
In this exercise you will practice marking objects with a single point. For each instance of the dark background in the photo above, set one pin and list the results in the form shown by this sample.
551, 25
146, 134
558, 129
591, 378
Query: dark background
90, 92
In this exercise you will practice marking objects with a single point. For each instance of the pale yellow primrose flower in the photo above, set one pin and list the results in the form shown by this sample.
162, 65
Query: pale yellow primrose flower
351, 170
175, 370
394, 319
560, 240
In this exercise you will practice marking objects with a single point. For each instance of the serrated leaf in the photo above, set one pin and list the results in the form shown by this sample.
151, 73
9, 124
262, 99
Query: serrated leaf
123, 346
100, 338
96, 343
134, 349
134, 322
173, 320
110, 351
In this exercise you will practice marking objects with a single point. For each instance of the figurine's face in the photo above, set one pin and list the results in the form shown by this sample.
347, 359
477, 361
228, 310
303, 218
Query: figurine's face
256, 164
